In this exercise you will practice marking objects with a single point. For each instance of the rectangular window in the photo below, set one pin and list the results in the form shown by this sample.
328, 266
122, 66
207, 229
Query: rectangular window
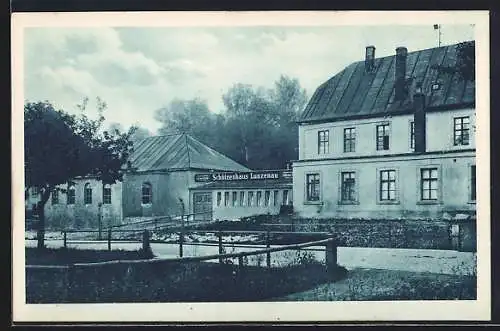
412, 135
70, 196
473, 183
106, 194
87, 194
219, 198
259, 198
250, 199
267, 197
461, 131
348, 186
235, 198
285, 197
226, 199
312, 187
323, 142
383, 137
242, 198
275, 197
349, 140
387, 185
55, 196
429, 184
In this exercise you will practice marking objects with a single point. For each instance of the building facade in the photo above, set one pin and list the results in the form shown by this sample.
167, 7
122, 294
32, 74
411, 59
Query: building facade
84, 203
231, 196
157, 181
389, 138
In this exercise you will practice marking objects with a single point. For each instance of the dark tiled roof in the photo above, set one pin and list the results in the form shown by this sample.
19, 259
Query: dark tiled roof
179, 151
354, 92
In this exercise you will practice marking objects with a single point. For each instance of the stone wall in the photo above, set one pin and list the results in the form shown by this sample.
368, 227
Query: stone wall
415, 234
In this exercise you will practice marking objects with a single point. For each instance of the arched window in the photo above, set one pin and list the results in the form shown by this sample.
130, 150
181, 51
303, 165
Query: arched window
87, 194
71, 195
146, 193
106, 194
55, 196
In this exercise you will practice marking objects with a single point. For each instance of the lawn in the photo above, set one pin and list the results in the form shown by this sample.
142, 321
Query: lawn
377, 285
61, 256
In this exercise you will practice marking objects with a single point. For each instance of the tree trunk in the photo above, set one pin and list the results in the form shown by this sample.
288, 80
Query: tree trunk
45, 194
41, 225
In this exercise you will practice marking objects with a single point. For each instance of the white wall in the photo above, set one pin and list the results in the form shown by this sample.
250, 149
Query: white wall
439, 135
454, 186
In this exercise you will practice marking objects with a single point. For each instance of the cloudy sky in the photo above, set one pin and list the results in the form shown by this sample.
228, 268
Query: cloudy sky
138, 70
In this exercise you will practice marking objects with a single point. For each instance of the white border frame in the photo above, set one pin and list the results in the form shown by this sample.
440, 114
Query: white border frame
265, 311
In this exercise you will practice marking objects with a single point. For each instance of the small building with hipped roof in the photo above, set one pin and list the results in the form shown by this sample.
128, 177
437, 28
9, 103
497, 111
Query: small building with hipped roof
157, 180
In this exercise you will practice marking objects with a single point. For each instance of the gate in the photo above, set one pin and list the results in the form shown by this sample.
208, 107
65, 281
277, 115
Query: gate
202, 207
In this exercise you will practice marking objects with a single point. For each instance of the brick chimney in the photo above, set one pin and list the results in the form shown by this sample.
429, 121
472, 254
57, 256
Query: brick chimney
400, 74
370, 58
419, 119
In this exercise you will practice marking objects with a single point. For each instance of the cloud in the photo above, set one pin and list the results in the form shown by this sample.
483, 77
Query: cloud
138, 70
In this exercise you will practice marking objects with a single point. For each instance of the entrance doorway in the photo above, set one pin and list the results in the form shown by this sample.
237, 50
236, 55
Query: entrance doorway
202, 206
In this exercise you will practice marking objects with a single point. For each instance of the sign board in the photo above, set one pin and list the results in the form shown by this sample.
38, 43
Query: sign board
242, 176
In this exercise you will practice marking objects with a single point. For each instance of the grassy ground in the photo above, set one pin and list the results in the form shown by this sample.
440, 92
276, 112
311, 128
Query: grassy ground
372, 284
48, 256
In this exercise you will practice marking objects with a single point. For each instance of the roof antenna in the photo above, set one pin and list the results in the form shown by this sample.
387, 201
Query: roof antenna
438, 27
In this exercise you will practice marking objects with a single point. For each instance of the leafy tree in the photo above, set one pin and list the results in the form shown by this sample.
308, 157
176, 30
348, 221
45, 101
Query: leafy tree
187, 116
257, 128
61, 146
465, 65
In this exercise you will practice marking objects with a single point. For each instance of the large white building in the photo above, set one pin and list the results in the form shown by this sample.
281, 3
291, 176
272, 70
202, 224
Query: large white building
390, 137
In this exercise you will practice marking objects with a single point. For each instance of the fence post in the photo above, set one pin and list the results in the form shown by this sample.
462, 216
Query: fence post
240, 262
109, 239
146, 247
181, 242
221, 249
65, 239
268, 245
331, 255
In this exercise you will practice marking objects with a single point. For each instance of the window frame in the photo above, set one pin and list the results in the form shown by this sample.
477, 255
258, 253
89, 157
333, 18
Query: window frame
386, 133
219, 198
275, 197
380, 182
54, 196
226, 198
284, 202
106, 194
351, 139
317, 183
323, 142
71, 194
258, 197
250, 198
149, 187
87, 197
267, 198
419, 185
355, 200
242, 198
234, 198
461, 131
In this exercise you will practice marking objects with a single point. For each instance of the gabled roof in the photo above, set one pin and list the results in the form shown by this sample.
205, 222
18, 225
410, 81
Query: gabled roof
178, 151
355, 93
